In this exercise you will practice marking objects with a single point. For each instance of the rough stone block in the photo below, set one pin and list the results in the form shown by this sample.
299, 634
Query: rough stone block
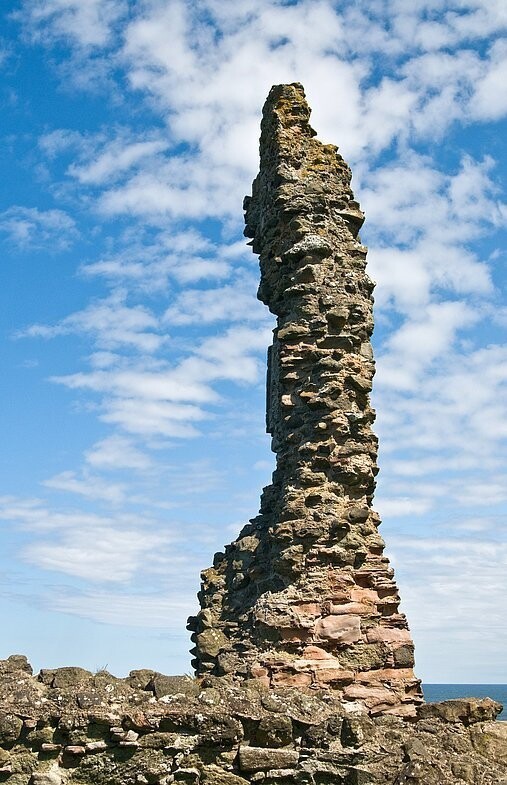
10, 728
339, 629
174, 685
490, 740
65, 677
274, 731
263, 759
52, 777
466, 710
214, 775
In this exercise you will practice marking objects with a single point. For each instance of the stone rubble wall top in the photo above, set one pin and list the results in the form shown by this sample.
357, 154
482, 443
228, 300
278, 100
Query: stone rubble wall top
68, 725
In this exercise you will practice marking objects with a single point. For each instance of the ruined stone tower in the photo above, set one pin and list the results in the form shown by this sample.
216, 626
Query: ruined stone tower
303, 601
305, 597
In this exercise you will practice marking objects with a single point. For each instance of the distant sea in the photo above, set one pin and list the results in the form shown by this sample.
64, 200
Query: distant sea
443, 692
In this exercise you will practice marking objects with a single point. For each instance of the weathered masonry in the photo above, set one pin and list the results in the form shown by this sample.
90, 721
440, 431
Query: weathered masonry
304, 662
305, 597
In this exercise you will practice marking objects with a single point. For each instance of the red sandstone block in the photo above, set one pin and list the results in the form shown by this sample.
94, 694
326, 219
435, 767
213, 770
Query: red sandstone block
340, 629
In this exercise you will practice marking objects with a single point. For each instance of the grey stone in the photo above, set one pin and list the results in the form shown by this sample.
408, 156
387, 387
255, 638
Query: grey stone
65, 677
191, 775
274, 731
263, 759
10, 727
214, 775
174, 685
467, 710
51, 777
14, 663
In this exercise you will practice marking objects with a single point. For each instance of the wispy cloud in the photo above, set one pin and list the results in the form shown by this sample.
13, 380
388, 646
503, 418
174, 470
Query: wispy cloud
116, 158
86, 24
168, 400
234, 302
462, 578
29, 227
90, 486
184, 257
105, 555
411, 351
97, 548
126, 609
110, 322
105, 156
421, 221
117, 452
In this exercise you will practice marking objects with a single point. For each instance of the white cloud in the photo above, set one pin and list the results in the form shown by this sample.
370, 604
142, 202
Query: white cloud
445, 443
392, 507
127, 609
178, 188
28, 227
105, 156
451, 589
168, 401
117, 157
88, 546
110, 322
413, 348
422, 200
484, 17
232, 355
198, 476
104, 555
117, 452
6, 51
185, 257
421, 222
156, 418
90, 486
142, 383
489, 101
231, 303
37, 517
109, 549
58, 141
87, 23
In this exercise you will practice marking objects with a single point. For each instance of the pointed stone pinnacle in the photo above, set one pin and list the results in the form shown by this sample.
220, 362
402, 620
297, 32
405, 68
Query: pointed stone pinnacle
305, 597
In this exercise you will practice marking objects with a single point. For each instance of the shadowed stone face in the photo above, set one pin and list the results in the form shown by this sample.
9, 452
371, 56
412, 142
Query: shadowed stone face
304, 597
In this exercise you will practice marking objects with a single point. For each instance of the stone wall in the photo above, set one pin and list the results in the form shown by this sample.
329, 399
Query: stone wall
72, 726
305, 595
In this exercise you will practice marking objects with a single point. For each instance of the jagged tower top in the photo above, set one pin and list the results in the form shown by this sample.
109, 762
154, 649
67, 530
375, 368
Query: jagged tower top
293, 163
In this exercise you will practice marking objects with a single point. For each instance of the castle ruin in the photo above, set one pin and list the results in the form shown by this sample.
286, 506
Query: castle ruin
305, 596
304, 662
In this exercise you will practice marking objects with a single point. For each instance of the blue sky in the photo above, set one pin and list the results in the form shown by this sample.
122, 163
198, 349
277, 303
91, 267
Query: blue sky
133, 348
